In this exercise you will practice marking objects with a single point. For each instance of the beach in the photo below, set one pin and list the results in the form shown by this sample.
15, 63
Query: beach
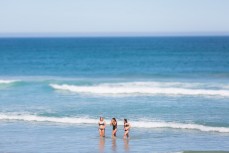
174, 91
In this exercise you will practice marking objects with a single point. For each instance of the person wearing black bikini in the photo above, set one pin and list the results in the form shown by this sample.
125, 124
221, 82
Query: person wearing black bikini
102, 126
115, 126
126, 128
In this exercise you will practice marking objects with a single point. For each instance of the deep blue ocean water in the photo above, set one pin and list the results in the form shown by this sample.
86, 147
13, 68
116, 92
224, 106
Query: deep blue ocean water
173, 90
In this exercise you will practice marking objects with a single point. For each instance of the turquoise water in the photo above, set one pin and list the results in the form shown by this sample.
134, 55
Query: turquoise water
173, 90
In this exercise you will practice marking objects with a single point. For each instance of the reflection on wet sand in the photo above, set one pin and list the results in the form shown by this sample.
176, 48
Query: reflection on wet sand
114, 144
126, 144
101, 144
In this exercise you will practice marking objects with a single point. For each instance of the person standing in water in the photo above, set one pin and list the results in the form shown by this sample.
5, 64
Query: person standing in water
126, 128
102, 126
115, 126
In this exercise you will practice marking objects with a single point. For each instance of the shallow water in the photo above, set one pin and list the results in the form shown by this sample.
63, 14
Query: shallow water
46, 137
173, 91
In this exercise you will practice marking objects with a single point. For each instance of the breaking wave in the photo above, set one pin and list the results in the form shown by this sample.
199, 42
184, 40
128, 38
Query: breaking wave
135, 124
149, 88
8, 81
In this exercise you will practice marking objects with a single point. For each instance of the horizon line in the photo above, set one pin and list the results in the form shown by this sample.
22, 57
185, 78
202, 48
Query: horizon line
112, 34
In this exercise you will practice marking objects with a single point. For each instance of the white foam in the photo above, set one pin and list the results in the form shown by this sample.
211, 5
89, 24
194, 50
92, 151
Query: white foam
7, 81
134, 124
180, 126
140, 88
35, 118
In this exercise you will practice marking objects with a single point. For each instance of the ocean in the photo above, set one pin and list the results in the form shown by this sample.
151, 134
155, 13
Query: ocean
174, 91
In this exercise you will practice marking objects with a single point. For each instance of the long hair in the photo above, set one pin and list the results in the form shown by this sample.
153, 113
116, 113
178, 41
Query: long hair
115, 121
125, 121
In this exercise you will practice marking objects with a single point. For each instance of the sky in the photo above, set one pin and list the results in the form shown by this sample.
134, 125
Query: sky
114, 17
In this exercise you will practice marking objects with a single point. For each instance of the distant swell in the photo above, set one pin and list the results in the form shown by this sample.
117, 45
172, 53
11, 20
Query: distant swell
141, 88
135, 124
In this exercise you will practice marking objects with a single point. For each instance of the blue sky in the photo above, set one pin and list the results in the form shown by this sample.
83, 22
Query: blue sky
114, 17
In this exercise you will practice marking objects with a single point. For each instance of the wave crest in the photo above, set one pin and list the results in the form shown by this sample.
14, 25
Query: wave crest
175, 125
136, 124
8, 81
140, 88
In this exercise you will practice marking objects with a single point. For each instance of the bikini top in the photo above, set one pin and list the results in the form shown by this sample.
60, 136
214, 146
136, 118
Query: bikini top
101, 123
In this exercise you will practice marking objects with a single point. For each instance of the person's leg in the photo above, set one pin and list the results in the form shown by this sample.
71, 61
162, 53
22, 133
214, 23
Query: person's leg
100, 132
126, 134
103, 132
114, 132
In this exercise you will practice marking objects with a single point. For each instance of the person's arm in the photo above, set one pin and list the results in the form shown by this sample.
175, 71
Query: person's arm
127, 128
